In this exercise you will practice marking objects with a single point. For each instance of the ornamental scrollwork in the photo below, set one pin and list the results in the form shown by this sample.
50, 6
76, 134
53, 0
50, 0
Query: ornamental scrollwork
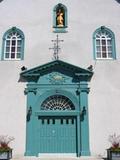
57, 78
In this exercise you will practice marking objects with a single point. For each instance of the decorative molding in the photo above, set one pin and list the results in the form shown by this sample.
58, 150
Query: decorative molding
77, 73
57, 78
27, 90
87, 90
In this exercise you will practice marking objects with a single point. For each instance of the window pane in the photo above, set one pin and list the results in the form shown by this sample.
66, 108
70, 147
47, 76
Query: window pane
13, 49
98, 48
98, 55
110, 54
13, 42
7, 42
103, 42
19, 42
97, 36
6, 55
110, 48
18, 55
104, 55
109, 42
18, 49
12, 55
97, 42
14, 38
104, 48
18, 35
7, 49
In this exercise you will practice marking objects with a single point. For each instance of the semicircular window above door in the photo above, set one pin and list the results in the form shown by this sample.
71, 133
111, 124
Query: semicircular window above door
57, 102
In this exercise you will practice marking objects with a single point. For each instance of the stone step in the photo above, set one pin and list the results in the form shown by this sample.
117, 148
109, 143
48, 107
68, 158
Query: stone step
58, 158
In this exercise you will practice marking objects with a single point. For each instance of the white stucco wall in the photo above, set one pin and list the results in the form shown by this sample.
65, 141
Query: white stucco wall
35, 19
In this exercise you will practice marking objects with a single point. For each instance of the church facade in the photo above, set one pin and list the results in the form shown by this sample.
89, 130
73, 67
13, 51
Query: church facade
59, 65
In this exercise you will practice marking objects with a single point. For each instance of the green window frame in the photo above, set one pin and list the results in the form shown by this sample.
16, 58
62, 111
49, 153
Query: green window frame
13, 44
60, 18
104, 44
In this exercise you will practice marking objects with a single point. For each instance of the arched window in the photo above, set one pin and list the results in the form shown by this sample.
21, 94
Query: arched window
60, 18
13, 44
104, 43
57, 102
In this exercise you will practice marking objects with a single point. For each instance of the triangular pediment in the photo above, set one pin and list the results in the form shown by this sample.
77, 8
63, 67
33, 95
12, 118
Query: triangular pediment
57, 66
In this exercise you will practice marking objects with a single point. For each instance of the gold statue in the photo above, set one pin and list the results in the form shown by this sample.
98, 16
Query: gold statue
59, 18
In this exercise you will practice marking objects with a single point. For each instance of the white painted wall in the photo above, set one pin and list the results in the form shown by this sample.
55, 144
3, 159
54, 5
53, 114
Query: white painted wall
35, 19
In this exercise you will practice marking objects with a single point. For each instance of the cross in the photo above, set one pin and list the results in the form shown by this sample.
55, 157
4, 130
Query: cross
56, 48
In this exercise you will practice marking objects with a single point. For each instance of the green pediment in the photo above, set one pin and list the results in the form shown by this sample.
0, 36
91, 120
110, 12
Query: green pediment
56, 71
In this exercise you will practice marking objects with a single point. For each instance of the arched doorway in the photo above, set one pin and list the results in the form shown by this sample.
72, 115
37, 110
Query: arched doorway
57, 133
57, 109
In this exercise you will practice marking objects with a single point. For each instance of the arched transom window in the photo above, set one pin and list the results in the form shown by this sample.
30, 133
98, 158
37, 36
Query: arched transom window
57, 102
13, 44
104, 44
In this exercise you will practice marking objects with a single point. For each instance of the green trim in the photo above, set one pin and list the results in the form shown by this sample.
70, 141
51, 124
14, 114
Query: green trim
60, 30
85, 148
85, 153
57, 113
104, 29
78, 139
75, 90
74, 71
13, 29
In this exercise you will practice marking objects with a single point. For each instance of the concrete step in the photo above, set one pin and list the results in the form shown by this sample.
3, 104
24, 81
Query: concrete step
58, 158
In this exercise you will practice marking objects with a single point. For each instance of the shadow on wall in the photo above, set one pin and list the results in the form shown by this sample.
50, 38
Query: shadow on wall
118, 1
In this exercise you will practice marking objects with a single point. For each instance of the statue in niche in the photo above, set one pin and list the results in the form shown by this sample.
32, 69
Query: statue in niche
60, 17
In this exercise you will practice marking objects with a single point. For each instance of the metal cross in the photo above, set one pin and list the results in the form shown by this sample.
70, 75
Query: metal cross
56, 48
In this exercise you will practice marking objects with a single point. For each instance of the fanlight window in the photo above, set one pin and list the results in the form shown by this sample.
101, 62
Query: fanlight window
104, 44
13, 44
57, 102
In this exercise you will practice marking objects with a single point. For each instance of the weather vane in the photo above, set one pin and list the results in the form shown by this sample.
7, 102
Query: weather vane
56, 48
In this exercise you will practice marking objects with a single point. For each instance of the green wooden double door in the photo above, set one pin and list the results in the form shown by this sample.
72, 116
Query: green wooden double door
56, 134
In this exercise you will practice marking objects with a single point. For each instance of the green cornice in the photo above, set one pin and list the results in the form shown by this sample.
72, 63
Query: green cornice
57, 65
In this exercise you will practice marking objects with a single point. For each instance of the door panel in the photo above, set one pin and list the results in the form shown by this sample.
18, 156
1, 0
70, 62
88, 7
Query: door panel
56, 135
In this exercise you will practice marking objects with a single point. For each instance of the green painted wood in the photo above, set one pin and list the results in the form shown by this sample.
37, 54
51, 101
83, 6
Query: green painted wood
78, 74
56, 135
59, 131
57, 113
85, 149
